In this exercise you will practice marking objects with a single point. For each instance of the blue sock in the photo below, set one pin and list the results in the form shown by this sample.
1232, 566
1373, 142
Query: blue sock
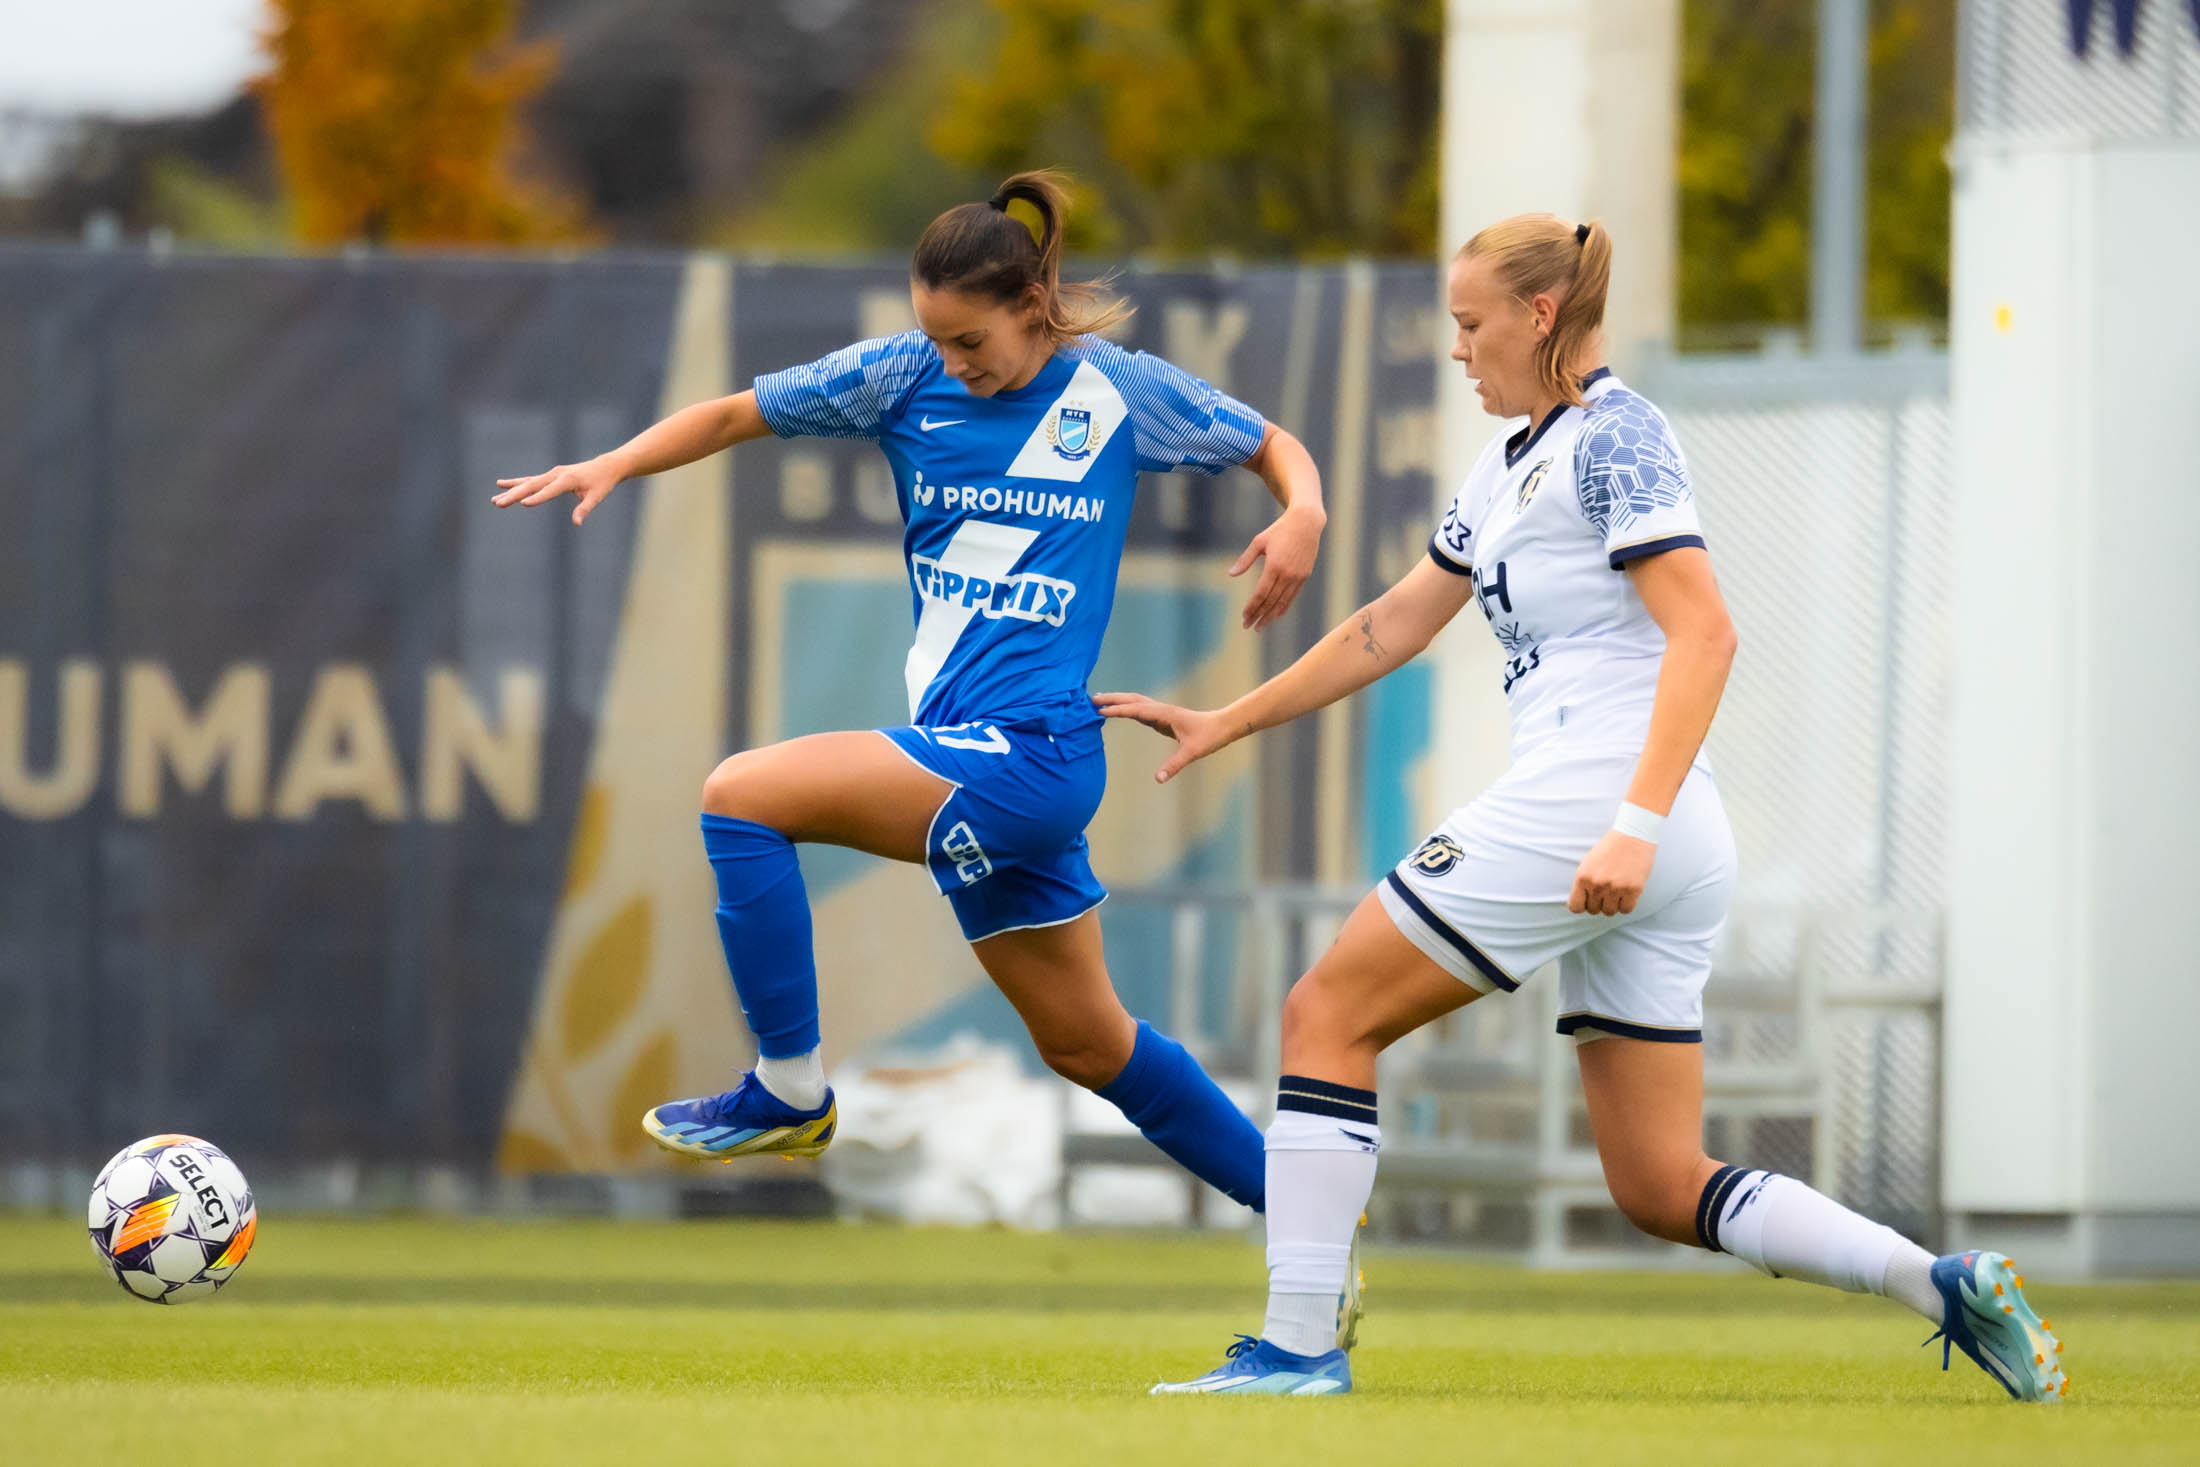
1179, 1109
764, 923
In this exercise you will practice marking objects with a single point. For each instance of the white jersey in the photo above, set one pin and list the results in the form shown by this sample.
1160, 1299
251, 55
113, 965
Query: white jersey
1544, 524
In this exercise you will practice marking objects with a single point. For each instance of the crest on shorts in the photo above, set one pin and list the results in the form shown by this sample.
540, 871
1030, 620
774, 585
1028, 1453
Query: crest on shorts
961, 847
1438, 854
1529, 485
1071, 433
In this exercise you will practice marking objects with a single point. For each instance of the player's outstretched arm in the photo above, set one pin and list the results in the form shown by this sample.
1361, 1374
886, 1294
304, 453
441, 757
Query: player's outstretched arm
696, 431
1387, 633
1290, 543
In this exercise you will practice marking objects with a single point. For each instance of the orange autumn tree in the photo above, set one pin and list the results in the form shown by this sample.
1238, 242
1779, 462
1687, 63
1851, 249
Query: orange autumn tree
397, 121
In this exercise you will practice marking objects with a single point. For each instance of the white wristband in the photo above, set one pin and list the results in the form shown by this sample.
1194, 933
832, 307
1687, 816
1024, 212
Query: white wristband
1640, 823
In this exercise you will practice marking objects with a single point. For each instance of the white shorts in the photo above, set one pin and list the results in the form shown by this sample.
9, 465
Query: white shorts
1485, 897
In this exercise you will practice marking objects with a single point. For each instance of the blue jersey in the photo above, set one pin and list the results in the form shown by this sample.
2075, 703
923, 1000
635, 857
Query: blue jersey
1016, 505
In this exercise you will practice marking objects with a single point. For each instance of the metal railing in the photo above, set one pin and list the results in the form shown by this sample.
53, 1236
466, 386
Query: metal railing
1483, 1108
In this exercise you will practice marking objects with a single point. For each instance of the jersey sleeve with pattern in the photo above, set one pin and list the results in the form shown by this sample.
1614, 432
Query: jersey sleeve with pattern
849, 393
1632, 480
1181, 423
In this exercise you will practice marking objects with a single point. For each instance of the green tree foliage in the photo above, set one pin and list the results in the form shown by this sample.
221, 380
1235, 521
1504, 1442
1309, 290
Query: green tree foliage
200, 206
1747, 84
1744, 174
1256, 127
1913, 118
867, 183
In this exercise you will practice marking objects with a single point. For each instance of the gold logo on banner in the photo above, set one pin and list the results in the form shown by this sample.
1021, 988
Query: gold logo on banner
633, 1006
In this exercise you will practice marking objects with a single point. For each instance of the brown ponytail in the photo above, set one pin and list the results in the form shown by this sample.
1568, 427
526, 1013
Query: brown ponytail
983, 250
1541, 254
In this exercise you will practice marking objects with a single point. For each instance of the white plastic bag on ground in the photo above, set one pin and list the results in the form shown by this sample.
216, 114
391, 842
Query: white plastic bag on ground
957, 1135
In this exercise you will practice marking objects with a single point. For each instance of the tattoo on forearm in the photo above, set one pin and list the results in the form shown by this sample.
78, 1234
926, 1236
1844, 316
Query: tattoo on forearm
1370, 646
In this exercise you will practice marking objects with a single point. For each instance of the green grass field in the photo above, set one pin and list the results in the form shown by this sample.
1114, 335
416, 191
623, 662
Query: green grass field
428, 1342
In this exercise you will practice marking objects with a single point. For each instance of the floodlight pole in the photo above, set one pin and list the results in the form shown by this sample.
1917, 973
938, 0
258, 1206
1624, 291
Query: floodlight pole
1837, 179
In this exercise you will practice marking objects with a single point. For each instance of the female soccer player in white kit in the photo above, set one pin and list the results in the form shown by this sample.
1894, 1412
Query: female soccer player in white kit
1604, 846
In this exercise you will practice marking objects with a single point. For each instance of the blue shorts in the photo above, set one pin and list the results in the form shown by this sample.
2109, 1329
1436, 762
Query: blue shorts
1008, 849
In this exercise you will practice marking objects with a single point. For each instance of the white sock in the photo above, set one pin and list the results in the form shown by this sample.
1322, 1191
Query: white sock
1909, 1280
1321, 1168
1304, 1324
1778, 1225
798, 1080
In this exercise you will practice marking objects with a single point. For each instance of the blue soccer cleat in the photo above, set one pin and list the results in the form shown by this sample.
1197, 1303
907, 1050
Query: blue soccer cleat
1256, 1368
747, 1120
1989, 1320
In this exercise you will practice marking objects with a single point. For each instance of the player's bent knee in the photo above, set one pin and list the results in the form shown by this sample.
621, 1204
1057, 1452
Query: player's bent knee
1655, 1205
1303, 1013
722, 789
737, 789
1080, 1061
1641, 1209
1317, 1014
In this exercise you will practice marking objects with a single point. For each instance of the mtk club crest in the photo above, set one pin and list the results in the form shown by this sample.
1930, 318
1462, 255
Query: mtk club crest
1438, 854
1529, 485
1070, 433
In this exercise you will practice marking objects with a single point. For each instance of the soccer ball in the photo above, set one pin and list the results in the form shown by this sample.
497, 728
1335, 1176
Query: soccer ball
172, 1218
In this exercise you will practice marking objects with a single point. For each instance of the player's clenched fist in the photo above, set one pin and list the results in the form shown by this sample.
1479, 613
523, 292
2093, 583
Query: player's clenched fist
1611, 877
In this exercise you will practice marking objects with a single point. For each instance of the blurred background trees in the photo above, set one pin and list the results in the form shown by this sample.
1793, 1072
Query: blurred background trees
1253, 127
1256, 128
397, 122
1747, 70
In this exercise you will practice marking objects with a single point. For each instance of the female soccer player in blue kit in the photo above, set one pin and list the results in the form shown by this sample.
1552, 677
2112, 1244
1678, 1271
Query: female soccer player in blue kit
1016, 438
1603, 847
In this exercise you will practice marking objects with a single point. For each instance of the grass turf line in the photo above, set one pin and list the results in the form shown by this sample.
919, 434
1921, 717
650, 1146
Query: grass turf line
420, 1341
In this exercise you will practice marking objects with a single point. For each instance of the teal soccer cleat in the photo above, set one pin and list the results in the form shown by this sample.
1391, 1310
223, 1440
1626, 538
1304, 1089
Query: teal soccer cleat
1256, 1368
1989, 1320
747, 1120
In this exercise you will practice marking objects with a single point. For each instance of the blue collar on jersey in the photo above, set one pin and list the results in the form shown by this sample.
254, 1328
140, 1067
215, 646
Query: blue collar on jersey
1046, 381
1517, 446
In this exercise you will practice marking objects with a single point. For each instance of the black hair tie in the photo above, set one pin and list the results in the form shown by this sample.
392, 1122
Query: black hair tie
1581, 234
998, 201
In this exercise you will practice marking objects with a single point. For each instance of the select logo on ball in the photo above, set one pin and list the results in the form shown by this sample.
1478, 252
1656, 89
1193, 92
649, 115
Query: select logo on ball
193, 1176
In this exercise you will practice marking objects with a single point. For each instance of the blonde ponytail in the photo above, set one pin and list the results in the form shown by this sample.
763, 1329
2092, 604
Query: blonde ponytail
1541, 254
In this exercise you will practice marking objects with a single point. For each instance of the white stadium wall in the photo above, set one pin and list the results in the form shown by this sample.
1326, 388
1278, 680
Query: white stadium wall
1570, 107
2073, 987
